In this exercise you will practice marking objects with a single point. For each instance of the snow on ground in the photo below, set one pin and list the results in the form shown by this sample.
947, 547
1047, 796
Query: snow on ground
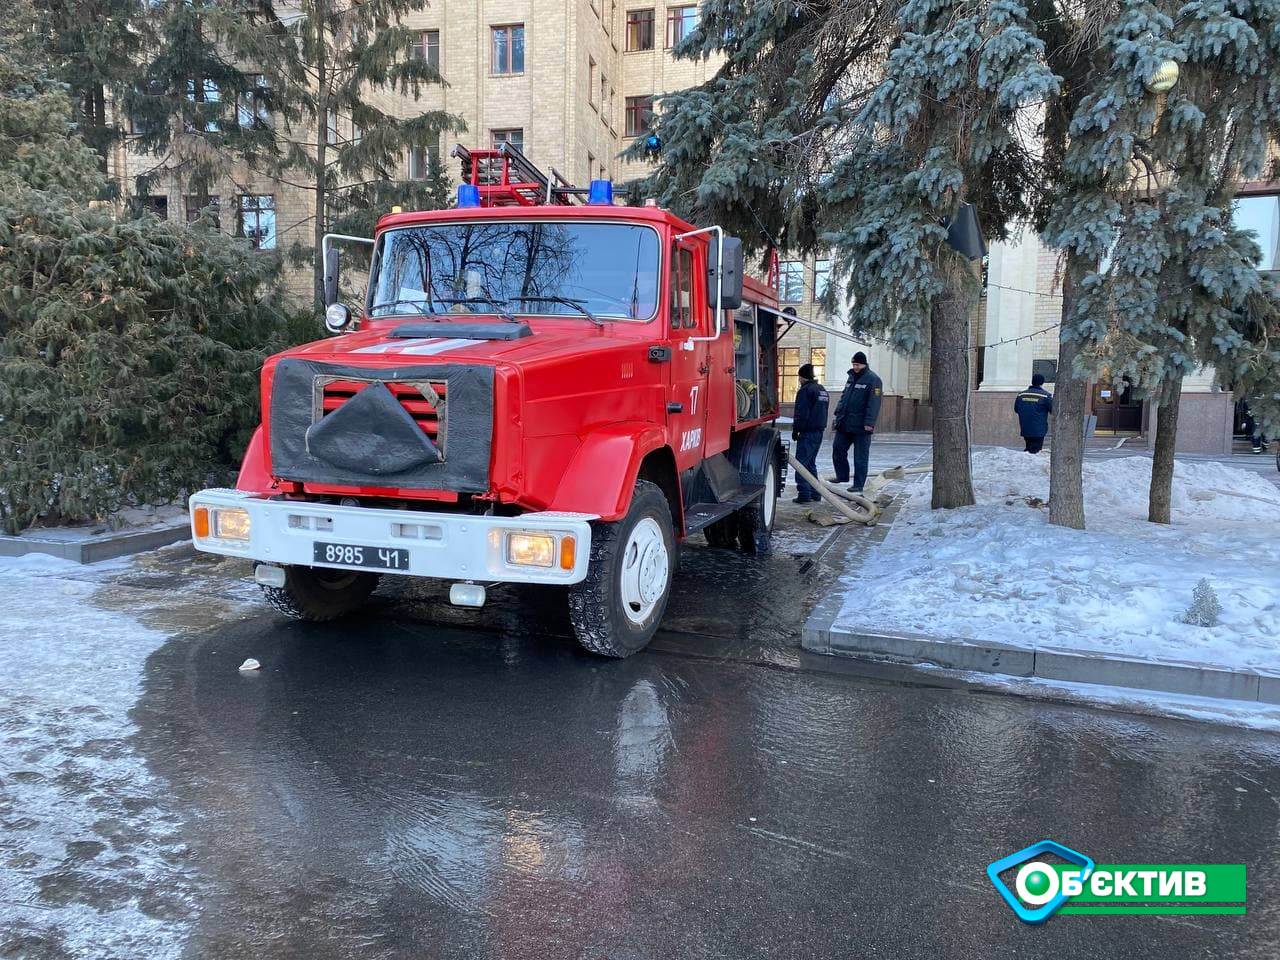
90, 858
128, 519
999, 571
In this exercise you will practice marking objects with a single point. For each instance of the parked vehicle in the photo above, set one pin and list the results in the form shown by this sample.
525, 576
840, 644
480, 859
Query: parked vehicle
536, 389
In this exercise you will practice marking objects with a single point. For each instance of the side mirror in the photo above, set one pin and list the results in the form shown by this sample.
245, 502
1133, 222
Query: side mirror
330, 276
729, 270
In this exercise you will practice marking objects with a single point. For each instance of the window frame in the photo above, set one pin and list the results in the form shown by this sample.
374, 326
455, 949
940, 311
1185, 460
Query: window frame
193, 212
509, 29
818, 294
640, 23
678, 15
788, 374
784, 287
423, 47
638, 113
257, 212
501, 135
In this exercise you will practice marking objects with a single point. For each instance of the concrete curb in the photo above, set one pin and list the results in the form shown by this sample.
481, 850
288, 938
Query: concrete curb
106, 546
1043, 661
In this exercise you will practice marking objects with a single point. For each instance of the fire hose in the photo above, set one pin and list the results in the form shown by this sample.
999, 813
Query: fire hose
865, 510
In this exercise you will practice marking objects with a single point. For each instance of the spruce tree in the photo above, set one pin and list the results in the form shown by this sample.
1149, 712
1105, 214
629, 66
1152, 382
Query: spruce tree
196, 108
1106, 55
129, 348
92, 46
1170, 283
325, 62
864, 129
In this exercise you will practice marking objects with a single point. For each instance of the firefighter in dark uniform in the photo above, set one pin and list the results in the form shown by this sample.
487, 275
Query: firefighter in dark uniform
855, 422
1033, 406
810, 422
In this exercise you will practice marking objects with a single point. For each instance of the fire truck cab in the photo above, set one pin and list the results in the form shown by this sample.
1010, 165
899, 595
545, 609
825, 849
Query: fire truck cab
539, 387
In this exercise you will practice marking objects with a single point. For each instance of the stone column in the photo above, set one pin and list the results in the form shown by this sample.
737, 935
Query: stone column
1011, 302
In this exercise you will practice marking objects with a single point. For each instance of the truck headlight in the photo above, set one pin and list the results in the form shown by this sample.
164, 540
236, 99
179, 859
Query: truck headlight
531, 549
231, 524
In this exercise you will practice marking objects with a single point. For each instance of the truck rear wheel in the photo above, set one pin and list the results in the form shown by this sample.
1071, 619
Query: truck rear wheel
755, 520
616, 610
317, 593
723, 533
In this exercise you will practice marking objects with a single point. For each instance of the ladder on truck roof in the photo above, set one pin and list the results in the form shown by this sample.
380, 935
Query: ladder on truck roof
505, 177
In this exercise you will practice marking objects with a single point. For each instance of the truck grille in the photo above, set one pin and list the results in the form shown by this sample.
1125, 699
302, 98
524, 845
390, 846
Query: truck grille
424, 401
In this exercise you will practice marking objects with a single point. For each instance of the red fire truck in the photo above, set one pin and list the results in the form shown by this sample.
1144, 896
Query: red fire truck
540, 387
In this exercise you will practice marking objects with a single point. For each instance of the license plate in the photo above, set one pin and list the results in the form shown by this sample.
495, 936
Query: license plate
353, 555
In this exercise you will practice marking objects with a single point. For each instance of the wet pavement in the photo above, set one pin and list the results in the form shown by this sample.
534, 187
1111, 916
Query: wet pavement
430, 782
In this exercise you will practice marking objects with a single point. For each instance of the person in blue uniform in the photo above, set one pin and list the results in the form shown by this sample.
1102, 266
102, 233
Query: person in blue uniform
855, 422
810, 423
1033, 406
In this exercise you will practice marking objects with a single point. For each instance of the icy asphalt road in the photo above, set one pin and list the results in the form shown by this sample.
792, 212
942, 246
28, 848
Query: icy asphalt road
436, 783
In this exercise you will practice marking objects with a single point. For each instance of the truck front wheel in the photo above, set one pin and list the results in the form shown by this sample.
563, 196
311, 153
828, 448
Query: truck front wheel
317, 593
617, 608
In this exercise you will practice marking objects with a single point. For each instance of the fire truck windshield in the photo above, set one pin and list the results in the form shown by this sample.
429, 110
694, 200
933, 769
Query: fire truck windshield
547, 268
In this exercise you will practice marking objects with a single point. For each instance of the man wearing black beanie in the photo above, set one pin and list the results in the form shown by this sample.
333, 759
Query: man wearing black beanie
855, 422
809, 424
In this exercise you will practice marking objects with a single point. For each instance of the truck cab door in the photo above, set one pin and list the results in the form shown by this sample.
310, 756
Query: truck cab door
687, 400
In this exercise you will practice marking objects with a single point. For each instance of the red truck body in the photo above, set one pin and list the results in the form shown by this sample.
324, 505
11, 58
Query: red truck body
586, 413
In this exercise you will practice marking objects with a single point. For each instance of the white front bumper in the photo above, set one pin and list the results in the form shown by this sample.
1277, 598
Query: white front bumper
448, 546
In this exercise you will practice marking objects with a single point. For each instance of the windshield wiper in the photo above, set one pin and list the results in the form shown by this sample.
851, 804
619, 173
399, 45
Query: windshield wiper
423, 310
576, 304
499, 305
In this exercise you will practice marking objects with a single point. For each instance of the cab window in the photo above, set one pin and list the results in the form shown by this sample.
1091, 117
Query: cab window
682, 314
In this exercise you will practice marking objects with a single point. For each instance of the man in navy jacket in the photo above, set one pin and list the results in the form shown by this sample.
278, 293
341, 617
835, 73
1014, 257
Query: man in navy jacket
1033, 406
855, 422
810, 422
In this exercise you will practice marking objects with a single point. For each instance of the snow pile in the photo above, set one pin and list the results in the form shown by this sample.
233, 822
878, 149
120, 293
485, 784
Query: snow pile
1000, 572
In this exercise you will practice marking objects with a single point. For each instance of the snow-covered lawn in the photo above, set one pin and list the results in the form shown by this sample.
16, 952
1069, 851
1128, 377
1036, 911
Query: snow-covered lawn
999, 571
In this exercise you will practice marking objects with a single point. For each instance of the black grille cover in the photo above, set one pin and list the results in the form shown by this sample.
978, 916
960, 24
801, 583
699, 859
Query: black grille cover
371, 440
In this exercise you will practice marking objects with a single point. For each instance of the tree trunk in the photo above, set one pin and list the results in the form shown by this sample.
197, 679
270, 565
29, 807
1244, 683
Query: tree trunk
1066, 455
1159, 503
317, 258
101, 139
949, 391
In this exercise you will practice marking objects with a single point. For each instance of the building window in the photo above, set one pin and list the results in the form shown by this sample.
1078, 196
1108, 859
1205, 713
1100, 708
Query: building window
194, 208
818, 357
207, 100
680, 23
1047, 367
511, 135
422, 159
155, 204
791, 281
508, 49
640, 29
821, 279
253, 106
789, 373
427, 47
591, 81
639, 115
605, 113
257, 220
331, 128
1261, 217
591, 165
